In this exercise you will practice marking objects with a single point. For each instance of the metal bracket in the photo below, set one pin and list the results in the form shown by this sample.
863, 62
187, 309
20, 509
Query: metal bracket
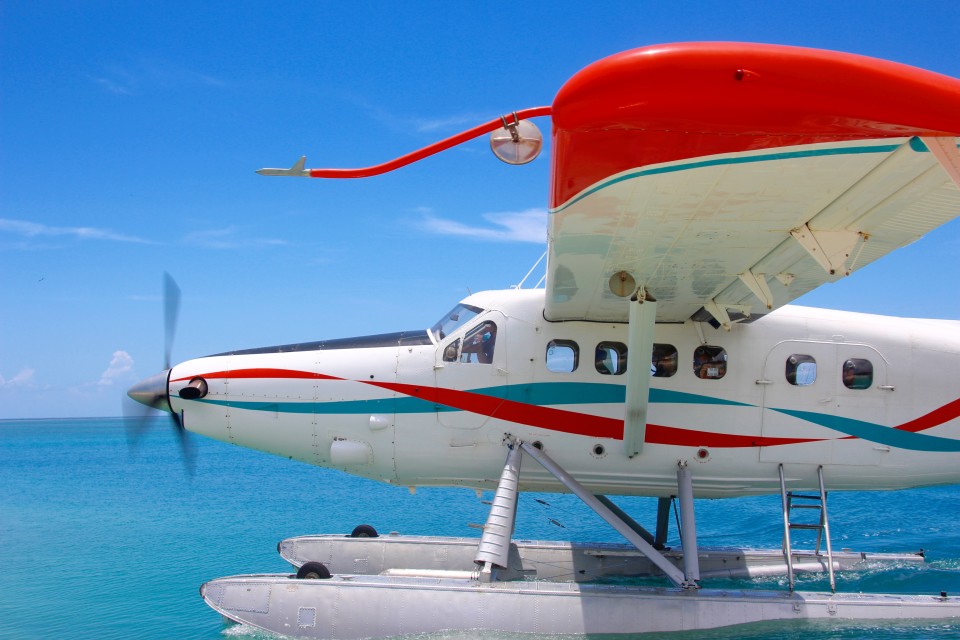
719, 312
757, 283
830, 249
512, 126
786, 279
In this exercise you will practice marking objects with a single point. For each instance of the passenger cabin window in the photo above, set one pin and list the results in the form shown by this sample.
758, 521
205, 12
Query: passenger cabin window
857, 373
562, 356
709, 362
663, 361
611, 358
801, 370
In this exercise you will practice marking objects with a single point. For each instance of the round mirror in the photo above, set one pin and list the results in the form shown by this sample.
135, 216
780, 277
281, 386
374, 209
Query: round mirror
517, 144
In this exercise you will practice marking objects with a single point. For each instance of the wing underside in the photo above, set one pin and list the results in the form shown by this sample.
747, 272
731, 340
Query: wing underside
728, 179
741, 233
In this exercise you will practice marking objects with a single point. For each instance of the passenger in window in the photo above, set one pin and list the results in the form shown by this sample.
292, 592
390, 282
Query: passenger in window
857, 373
480, 343
849, 374
663, 362
709, 362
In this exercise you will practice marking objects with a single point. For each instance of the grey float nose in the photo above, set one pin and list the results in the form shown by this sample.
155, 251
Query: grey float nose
152, 391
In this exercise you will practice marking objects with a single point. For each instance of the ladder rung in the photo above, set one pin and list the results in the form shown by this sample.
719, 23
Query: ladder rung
822, 528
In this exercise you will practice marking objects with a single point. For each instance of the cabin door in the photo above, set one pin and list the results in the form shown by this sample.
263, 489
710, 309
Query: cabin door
808, 400
799, 379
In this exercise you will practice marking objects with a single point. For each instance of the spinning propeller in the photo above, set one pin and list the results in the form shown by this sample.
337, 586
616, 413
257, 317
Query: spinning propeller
152, 392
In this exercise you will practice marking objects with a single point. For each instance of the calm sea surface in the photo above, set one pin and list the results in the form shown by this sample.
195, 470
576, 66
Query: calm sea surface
97, 541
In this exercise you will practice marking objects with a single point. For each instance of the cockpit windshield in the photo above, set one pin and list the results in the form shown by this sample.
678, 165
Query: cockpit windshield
456, 318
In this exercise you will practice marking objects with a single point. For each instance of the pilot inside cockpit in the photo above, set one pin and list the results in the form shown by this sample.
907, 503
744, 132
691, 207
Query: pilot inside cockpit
478, 344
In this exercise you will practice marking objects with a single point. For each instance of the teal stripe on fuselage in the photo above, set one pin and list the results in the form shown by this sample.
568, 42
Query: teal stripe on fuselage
536, 394
876, 432
782, 155
680, 397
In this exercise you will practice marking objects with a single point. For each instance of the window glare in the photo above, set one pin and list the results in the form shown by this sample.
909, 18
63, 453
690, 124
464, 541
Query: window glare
611, 358
801, 370
453, 320
562, 356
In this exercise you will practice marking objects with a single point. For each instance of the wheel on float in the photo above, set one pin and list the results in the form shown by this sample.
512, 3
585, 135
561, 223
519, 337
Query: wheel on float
364, 531
313, 571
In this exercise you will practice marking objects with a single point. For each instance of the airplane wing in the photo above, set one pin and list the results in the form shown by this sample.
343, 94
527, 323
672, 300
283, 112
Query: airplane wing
729, 179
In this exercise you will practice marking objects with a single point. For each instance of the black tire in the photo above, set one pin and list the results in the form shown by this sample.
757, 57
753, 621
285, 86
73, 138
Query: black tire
313, 571
364, 531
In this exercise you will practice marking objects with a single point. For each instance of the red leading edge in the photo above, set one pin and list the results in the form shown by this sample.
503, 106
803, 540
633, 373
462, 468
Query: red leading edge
670, 102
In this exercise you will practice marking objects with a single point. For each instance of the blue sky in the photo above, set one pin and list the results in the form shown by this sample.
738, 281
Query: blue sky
130, 132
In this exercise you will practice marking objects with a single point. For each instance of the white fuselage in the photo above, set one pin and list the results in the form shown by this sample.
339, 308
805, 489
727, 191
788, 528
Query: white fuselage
872, 399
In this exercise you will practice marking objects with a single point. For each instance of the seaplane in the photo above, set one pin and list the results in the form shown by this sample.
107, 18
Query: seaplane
696, 190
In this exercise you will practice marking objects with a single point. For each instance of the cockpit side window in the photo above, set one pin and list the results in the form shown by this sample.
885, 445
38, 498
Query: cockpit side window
452, 351
479, 343
456, 318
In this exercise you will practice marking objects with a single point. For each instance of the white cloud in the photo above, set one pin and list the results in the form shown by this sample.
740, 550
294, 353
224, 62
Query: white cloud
34, 230
114, 87
24, 377
517, 226
228, 238
439, 126
120, 365
449, 124
137, 78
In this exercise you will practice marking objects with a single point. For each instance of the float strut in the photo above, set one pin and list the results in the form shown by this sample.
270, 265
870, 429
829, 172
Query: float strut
494, 549
633, 524
663, 522
688, 532
672, 572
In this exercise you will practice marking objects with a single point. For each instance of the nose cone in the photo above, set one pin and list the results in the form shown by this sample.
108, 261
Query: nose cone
152, 391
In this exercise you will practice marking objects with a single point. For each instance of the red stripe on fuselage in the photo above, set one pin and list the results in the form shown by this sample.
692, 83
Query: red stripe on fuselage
935, 418
571, 422
532, 415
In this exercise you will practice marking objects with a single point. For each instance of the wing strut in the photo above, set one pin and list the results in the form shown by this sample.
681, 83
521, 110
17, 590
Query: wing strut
643, 319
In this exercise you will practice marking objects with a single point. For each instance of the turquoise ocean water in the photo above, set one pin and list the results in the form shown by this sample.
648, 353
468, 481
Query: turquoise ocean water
100, 542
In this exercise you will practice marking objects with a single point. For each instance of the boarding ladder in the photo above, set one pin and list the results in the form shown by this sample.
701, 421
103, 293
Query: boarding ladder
797, 501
